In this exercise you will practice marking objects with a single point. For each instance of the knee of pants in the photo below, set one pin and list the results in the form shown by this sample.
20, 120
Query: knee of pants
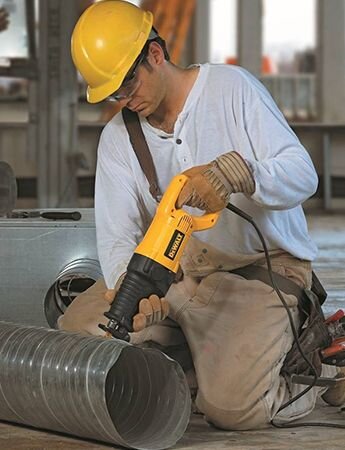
250, 418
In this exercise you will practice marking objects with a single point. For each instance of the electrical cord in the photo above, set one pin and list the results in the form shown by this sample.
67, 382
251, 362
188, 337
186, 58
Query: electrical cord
249, 219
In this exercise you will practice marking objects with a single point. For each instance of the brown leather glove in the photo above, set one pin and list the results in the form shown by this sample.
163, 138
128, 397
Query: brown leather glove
87, 310
151, 310
210, 185
200, 193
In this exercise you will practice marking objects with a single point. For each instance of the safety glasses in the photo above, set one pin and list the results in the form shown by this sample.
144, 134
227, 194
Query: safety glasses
130, 83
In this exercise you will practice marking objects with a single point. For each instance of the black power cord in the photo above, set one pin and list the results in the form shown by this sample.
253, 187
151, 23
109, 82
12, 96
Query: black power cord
249, 219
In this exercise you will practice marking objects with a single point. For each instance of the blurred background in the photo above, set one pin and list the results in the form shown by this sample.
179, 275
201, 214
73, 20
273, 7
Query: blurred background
49, 134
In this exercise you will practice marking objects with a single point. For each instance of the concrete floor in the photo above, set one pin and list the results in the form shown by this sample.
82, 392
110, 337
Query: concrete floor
199, 436
329, 233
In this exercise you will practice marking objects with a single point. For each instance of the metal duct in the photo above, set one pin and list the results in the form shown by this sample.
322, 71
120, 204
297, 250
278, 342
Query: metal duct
73, 279
91, 387
33, 252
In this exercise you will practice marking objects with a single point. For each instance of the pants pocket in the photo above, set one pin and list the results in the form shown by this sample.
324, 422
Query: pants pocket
206, 291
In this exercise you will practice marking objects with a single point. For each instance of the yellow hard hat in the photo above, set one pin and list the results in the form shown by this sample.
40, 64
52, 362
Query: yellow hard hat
106, 41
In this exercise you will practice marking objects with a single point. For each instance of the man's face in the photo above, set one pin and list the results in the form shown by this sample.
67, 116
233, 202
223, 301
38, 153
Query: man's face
144, 92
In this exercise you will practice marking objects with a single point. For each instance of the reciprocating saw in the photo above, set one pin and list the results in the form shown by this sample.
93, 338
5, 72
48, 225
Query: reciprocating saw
156, 260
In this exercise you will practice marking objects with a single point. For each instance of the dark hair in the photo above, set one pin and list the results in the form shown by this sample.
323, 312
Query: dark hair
154, 37
162, 43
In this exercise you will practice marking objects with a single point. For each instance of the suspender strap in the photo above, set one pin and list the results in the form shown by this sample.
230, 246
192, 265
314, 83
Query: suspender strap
253, 272
142, 151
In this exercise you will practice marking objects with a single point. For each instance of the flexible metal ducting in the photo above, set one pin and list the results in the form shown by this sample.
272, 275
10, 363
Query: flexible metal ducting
91, 387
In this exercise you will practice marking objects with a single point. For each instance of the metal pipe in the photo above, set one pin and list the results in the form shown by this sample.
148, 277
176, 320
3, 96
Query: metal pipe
78, 271
91, 387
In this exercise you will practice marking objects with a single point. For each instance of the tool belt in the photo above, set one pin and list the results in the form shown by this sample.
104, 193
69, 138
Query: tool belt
313, 333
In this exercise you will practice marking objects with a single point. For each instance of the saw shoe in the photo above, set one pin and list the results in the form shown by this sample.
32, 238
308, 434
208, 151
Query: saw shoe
335, 395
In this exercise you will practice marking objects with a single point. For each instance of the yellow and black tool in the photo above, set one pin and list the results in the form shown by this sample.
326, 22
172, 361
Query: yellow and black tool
156, 259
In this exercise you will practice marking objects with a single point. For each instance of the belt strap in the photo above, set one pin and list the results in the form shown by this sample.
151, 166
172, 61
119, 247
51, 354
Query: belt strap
253, 272
142, 151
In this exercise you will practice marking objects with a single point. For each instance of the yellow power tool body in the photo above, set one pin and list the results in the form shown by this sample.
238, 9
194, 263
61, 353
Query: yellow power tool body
156, 260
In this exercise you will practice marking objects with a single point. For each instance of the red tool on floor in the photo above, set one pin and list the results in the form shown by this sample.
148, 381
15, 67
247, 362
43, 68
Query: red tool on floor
335, 353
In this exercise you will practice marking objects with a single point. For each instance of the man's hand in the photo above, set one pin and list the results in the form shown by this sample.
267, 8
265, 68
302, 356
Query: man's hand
210, 185
87, 310
3, 19
200, 193
151, 310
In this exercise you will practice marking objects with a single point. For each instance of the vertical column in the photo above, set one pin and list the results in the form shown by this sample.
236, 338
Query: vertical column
331, 66
57, 103
202, 32
249, 39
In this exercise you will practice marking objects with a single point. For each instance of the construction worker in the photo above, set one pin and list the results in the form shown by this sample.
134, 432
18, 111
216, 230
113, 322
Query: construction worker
219, 126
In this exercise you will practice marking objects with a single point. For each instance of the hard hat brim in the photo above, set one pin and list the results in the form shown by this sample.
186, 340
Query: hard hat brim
97, 94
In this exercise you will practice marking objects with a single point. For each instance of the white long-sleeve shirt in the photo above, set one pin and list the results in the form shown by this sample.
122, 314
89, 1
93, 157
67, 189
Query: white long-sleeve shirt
227, 109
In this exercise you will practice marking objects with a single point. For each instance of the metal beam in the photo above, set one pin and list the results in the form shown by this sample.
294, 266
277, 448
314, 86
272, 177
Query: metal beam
57, 104
331, 66
202, 31
249, 39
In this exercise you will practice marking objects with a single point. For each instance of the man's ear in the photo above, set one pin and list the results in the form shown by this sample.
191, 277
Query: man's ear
155, 53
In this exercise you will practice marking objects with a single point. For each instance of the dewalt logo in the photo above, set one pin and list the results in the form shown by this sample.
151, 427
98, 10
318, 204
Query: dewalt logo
174, 244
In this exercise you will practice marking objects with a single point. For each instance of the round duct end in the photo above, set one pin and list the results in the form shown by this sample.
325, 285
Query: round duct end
75, 278
148, 399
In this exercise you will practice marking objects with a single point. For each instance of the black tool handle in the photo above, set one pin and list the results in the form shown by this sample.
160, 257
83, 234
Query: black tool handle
144, 277
59, 215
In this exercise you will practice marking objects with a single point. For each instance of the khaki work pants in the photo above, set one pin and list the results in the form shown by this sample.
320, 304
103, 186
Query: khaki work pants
238, 334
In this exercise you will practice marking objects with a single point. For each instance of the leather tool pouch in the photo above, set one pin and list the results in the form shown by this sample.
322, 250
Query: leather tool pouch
313, 337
